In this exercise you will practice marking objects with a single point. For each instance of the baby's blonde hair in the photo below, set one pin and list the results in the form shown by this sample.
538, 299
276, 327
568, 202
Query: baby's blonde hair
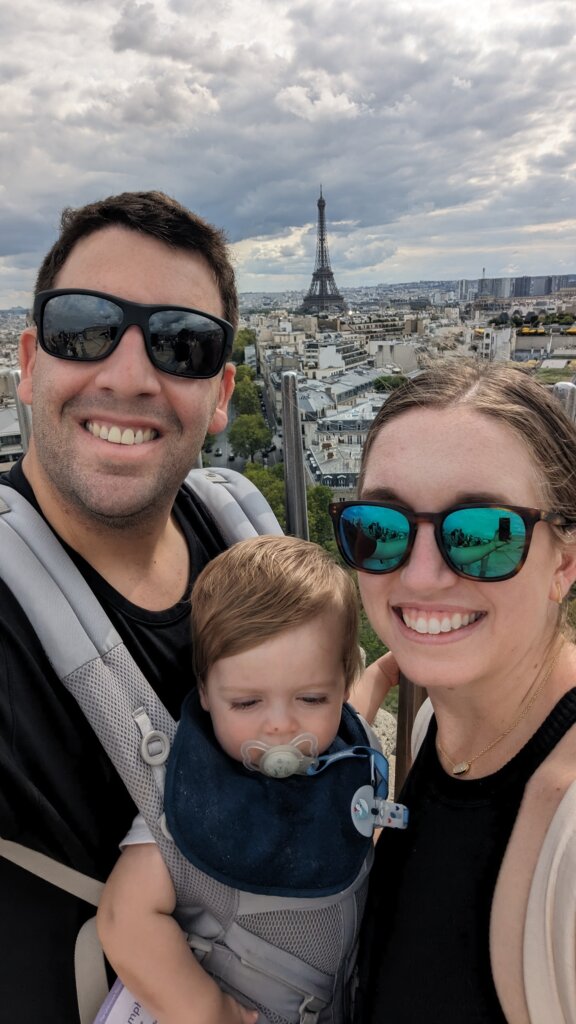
264, 586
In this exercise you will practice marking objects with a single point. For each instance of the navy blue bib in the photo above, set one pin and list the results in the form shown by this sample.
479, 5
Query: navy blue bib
283, 837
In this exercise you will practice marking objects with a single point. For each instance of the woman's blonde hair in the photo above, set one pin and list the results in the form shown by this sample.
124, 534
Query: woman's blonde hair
511, 396
264, 586
501, 392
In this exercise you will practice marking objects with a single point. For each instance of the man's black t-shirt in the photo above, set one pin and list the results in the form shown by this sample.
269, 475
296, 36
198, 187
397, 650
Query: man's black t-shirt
58, 790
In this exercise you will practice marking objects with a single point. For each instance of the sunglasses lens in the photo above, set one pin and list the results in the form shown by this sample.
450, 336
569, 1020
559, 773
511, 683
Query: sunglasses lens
80, 327
187, 344
86, 327
373, 538
467, 532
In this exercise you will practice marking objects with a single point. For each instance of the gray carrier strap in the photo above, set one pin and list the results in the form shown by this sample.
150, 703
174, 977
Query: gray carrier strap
256, 968
89, 963
70, 623
64, 877
80, 642
85, 649
240, 510
95, 666
236, 505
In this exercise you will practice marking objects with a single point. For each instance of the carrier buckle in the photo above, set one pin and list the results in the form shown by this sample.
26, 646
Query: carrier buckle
154, 747
310, 1009
200, 946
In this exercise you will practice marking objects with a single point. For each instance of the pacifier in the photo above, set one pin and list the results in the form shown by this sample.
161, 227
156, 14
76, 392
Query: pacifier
282, 760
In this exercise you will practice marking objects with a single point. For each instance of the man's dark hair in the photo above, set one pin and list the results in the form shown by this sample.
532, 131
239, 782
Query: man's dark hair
154, 214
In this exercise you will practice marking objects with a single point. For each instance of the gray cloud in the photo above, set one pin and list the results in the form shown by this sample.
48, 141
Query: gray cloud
441, 145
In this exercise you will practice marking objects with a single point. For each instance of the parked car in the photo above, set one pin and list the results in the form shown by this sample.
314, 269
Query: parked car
218, 451
231, 456
208, 448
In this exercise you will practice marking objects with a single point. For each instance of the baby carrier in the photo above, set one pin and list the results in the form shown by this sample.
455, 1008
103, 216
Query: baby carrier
251, 941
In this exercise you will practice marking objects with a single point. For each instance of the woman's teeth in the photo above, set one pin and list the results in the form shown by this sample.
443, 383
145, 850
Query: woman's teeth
437, 623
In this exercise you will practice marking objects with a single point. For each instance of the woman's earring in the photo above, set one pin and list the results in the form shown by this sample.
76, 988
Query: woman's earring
559, 594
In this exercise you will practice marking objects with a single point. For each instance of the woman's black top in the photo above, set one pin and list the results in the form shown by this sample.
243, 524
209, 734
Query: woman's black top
425, 944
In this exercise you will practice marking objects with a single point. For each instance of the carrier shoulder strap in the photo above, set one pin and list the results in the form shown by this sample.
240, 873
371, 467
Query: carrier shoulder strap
61, 604
93, 662
237, 506
89, 963
74, 882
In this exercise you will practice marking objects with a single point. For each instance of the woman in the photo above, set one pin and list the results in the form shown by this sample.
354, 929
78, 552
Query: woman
472, 915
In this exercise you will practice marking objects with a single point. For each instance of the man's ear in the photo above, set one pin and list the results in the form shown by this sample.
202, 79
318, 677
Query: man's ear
27, 356
220, 415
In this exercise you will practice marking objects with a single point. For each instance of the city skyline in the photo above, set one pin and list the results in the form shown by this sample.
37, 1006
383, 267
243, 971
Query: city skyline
525, 289
444, 139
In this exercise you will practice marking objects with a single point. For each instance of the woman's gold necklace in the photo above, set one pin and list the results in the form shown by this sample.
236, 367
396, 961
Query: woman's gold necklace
463, 767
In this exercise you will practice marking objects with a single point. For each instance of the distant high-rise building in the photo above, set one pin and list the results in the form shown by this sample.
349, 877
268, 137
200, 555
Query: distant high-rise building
540, 286
322, 295
521, 287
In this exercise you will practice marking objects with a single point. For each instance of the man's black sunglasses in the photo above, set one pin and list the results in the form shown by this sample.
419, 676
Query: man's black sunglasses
84, 326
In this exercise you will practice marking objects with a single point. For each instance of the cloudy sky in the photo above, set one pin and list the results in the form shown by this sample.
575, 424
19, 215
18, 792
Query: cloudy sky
443, 132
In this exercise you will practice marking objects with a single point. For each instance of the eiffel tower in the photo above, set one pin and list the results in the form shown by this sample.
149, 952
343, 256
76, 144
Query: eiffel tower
322, 294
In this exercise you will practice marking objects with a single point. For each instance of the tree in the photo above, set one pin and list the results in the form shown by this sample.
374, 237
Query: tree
245, 336
389, 382
270, 481
248, 435
318, 497
244, 372
245, 397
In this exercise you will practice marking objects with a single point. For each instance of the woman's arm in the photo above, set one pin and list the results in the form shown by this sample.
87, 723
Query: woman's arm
148, 949
369, 691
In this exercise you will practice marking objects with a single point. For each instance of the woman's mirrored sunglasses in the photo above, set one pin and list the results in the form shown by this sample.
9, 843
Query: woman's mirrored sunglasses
85, 326
482, 541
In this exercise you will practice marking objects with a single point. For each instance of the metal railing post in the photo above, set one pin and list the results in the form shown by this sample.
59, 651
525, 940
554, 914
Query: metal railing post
410, 699
295, 483
565, 392
24, 412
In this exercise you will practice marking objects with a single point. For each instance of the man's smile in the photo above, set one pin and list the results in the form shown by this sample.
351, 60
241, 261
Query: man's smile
120, 435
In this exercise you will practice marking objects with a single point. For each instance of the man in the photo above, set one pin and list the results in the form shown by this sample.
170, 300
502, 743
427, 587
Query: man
122, 398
